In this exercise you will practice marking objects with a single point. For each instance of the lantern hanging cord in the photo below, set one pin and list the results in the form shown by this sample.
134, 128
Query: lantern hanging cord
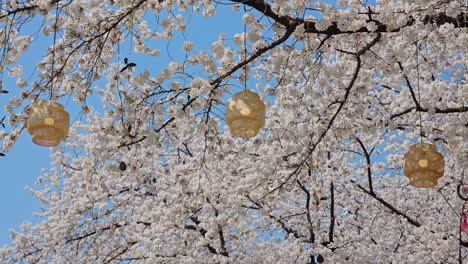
53, 50
419, 93
245, 52
308, 53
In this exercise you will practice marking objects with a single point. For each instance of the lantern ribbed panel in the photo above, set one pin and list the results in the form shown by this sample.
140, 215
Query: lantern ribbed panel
245, 114
423, 165
48, 123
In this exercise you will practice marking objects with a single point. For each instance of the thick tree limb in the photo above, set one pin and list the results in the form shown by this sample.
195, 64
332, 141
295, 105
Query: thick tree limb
311, 26
265, 8
438, 19
436, 110
24, 8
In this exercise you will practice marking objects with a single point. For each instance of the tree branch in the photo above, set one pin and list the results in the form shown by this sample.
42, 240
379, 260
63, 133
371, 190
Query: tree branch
93, 232
368, 160
265, 8
389, 206
258, 53
281, 223
436, 110
216, 82
330, 123
309, 220
311, 26
410, 87
25, 8
203, 232
332, 215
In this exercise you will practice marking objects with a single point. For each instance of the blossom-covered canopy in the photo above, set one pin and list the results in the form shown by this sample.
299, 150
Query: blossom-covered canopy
152, 175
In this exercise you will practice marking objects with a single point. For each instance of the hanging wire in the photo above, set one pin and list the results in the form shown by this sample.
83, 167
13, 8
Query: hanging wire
53, 50
462, 179
245, 53
419, 94
308, 64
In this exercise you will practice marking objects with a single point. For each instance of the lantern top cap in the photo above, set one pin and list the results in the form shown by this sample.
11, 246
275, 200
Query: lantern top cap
247, 91
50, 103
423, 146
246, 95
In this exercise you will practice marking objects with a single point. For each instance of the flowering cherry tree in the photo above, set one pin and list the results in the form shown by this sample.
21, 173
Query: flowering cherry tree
154, 176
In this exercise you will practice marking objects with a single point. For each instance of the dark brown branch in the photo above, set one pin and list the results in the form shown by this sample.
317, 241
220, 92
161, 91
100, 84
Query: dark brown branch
389, 206
132, 143
351, 83
410, 87
311, 26
221, 235
330, 123
399, 242
203, 232
368, 161
93, 232
309, 220
19, 10
382, 28
266, 10
294, 172
129, 245
441, 18
281, 223
223, 241
216, 82
25, 8
332, 212
257, 54
436, 110
332, 215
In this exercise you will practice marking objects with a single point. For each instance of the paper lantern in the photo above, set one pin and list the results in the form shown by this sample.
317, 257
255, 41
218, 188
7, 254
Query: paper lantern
48, 123
423, 165
245, 114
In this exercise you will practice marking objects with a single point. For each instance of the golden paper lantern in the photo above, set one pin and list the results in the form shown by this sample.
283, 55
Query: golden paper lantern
245, 114
48, 123
423, 165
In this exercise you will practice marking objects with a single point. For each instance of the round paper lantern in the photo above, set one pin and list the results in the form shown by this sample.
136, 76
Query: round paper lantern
245, 114
423, 165
48, 123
